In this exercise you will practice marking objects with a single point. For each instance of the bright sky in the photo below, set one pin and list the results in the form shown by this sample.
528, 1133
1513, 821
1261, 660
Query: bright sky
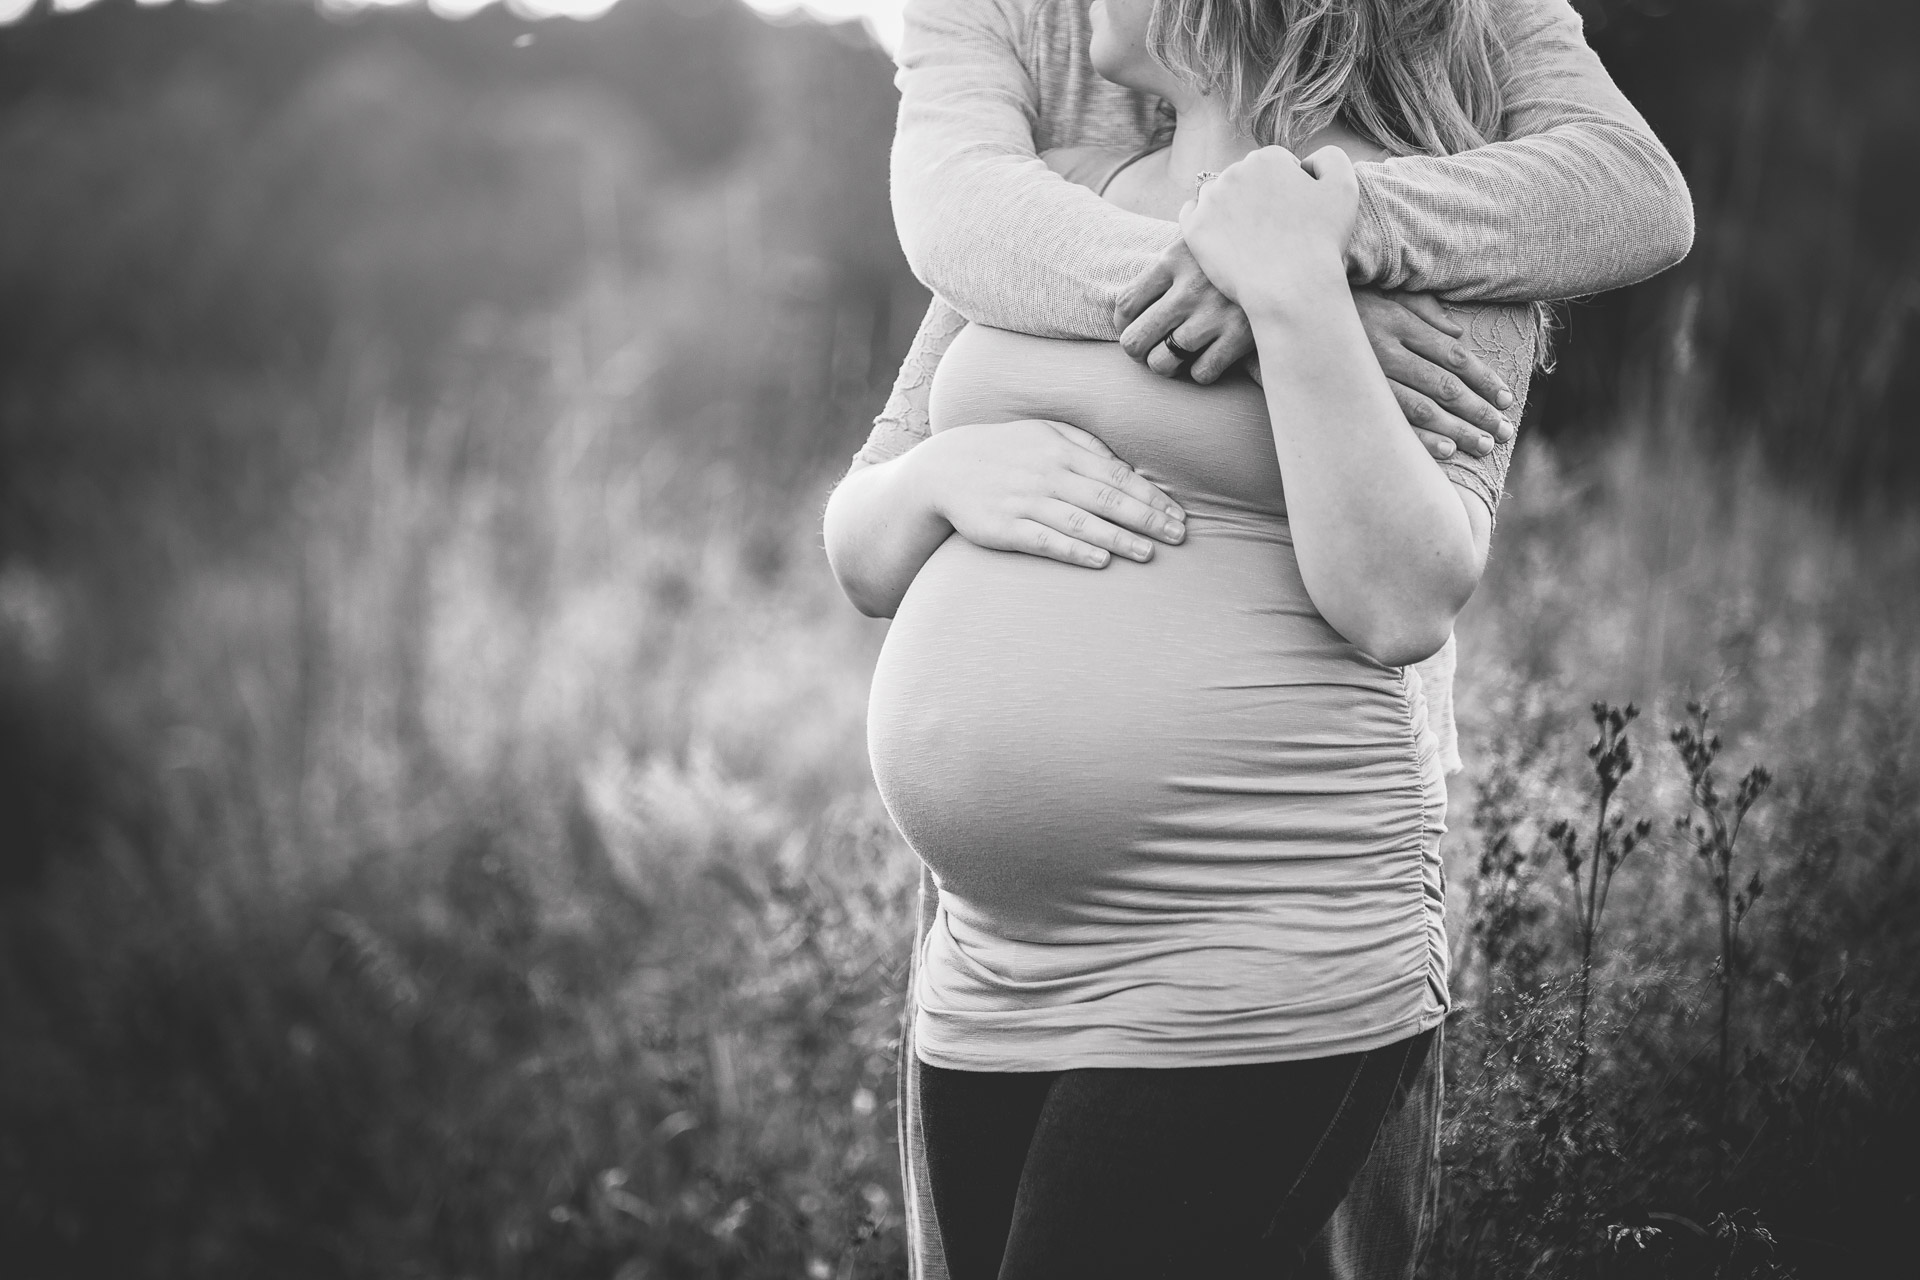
881, 16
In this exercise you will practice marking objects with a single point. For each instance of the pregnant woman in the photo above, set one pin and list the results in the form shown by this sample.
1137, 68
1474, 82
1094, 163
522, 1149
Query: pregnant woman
1184, 813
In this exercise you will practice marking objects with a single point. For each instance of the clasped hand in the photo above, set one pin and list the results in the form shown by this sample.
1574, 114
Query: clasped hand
1450, 397
1268, 233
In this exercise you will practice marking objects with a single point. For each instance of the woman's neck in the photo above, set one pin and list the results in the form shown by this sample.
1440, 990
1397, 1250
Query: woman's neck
1205, 139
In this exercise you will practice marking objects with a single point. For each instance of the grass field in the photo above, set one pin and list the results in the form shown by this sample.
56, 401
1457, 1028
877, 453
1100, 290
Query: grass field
480, 874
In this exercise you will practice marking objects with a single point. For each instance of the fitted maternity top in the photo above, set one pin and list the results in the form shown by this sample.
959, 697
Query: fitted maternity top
1175, 818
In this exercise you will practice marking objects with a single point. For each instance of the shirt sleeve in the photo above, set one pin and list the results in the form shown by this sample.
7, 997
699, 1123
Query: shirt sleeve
983, 221
1580, 198
1507, 337
905, 422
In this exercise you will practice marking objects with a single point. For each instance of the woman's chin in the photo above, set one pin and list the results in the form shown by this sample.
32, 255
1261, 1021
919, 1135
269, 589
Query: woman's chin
1108, 66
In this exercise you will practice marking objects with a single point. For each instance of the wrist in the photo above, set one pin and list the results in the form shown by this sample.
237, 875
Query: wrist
921, 475
1297, 297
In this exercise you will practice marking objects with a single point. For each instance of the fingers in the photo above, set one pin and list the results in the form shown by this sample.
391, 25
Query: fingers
1113, 473
1232, 344
1123, 511
1191, 336
1104, 469
1438, 445
1037, 539
1431, 419
1085, 439
1215, 331
1478, 377
1445, 388
1432, 310
1081, 525
1167, 313
1328, 163
1151, 284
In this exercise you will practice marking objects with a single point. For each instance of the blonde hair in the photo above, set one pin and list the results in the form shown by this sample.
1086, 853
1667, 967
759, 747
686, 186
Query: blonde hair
1416, 77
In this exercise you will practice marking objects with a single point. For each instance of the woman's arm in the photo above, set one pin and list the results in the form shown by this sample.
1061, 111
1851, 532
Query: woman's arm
1389, 549
1586, 200
1042, 488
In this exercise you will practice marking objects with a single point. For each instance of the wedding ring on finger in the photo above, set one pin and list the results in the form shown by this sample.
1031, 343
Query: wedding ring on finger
1202, 178
1178, 352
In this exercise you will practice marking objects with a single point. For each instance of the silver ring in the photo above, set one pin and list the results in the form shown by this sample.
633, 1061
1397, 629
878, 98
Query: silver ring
1203, 177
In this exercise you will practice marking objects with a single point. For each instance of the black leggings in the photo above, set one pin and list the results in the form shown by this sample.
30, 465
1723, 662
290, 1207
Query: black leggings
1150, 1172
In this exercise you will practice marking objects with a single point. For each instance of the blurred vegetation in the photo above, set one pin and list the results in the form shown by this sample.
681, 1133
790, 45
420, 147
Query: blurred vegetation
1798, 125
437, 838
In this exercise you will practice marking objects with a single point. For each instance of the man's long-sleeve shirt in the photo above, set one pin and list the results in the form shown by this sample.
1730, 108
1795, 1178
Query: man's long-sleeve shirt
1577, 198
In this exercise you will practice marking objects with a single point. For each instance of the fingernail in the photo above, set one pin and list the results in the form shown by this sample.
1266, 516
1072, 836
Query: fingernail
1097, 558
1141, 550
1484, 444
1504, 399
1446, 448
1176, 530
1506, 430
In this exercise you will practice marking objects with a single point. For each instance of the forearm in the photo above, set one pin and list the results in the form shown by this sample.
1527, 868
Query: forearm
983, 222
1386, 545
1588, 208
880, 527
1013, 245
1581, 197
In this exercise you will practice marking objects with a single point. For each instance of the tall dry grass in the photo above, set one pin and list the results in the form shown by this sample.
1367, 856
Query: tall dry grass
1740, 1100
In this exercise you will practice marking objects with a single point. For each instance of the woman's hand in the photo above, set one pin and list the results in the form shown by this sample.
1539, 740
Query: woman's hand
1046, 489
1043, 488
1271, 231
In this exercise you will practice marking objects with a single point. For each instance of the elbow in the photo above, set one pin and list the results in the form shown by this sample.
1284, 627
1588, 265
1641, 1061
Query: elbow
866, 592
1412, 626
1404, 641
932, 245
871, 601
1663, 236
872, 594
1670, 238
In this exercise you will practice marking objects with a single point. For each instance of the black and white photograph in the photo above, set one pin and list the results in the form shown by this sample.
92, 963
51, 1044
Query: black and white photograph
959, 639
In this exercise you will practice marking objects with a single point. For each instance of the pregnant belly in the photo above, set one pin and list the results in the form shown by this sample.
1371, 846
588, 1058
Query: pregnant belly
1062, 745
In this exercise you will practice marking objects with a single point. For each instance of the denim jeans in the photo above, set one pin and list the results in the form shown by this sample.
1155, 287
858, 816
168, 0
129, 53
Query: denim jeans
1376, 1233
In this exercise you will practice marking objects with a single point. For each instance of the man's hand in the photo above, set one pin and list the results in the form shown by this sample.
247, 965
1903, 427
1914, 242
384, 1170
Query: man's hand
1046, 489
1174, 299
1451, 398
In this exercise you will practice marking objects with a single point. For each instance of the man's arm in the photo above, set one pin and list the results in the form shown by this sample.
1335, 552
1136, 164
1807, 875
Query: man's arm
983, 221
1587, 200
1582, 197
